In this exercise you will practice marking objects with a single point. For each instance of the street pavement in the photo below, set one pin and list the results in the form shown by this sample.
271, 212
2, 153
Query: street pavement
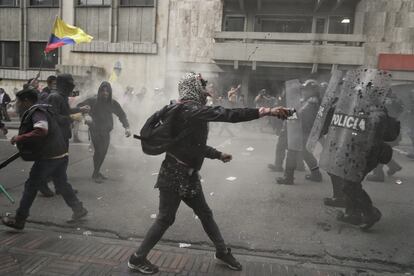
254, 214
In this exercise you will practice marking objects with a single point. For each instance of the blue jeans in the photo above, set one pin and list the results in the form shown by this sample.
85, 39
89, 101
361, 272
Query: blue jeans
39, 173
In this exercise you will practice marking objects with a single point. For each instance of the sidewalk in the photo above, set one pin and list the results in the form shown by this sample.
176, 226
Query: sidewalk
39, 252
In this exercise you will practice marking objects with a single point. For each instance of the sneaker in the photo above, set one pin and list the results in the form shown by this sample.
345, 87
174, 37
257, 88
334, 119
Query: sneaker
284, 181
141, 265
315, 176
275, 168
334, 202
394, 170
79, 213
103, 177
12, 222
353, 219
370, 220
97, 179
228, 260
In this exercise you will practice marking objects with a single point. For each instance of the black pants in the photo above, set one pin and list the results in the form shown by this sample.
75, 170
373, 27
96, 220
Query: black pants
357, 200
39, 173
100, 140
3, 112
337, 187
168, 206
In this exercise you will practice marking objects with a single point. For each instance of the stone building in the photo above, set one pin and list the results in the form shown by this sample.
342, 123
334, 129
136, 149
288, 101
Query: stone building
258, 43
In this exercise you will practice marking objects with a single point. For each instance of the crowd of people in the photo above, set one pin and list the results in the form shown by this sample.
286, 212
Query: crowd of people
355, 123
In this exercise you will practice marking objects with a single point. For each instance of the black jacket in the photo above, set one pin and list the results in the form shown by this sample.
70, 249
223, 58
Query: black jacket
193, 148
102, 110
42, 148
60, 106
6, 99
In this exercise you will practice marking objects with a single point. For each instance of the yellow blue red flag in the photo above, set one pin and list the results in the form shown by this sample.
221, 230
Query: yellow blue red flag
64, 34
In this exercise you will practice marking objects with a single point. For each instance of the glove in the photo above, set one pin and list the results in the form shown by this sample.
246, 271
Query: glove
76, 117
127, 132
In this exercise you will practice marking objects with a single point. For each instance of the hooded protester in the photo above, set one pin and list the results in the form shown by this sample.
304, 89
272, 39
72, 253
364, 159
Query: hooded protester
179, 178
58, 100
40, 140
102, 107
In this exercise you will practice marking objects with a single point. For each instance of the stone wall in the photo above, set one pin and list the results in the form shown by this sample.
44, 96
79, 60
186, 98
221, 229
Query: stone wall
389, 27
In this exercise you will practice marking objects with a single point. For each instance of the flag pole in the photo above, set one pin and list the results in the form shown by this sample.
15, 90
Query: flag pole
43, 57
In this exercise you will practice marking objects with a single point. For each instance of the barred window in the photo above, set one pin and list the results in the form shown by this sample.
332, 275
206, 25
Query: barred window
94, 2
44, 3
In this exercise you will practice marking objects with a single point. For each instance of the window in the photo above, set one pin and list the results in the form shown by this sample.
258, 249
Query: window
9, 54
340, 25
45, 3
10, 3
94, 2
285, 24
137, 3
36, 54
234, 24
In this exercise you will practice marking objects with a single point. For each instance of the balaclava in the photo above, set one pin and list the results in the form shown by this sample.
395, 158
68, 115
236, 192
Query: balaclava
65, 84
191, 87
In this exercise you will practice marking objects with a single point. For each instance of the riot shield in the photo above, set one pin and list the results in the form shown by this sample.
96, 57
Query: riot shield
356, 128
294, 124
332, 92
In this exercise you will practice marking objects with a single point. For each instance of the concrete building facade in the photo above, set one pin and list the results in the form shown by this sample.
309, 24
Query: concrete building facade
259, 43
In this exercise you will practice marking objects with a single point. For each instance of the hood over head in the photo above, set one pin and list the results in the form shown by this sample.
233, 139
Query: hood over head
65, 84
192, 87
108, 87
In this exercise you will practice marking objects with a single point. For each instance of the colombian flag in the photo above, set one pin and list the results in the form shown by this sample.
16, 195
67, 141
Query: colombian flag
64, 34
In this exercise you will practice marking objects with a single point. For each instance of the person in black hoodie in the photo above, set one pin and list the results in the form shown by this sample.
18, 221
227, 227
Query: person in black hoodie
40, 140
179, 178
58, 99
102, 107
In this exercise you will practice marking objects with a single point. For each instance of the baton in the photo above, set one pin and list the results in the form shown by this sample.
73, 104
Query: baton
3, 190
9, 160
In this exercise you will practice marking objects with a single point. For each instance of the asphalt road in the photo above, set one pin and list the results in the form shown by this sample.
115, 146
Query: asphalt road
252, 211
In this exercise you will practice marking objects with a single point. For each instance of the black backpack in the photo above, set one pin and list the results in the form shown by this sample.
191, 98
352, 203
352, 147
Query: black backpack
158, 135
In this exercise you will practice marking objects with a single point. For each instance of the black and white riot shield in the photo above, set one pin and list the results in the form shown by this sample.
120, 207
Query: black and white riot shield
294, 124
332, 93
356, 128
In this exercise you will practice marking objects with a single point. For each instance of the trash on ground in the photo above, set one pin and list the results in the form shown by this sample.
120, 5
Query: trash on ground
60, 237
250, 149
183, 245
196, 217
231, 178
212, 193
153, 216
87, 233
398, 182
99, 198
154, 174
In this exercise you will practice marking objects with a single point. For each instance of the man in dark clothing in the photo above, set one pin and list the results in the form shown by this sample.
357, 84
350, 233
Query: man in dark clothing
4, 101
307, 114
102, 107
58, 100
51, 86
179, 178
40, 140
